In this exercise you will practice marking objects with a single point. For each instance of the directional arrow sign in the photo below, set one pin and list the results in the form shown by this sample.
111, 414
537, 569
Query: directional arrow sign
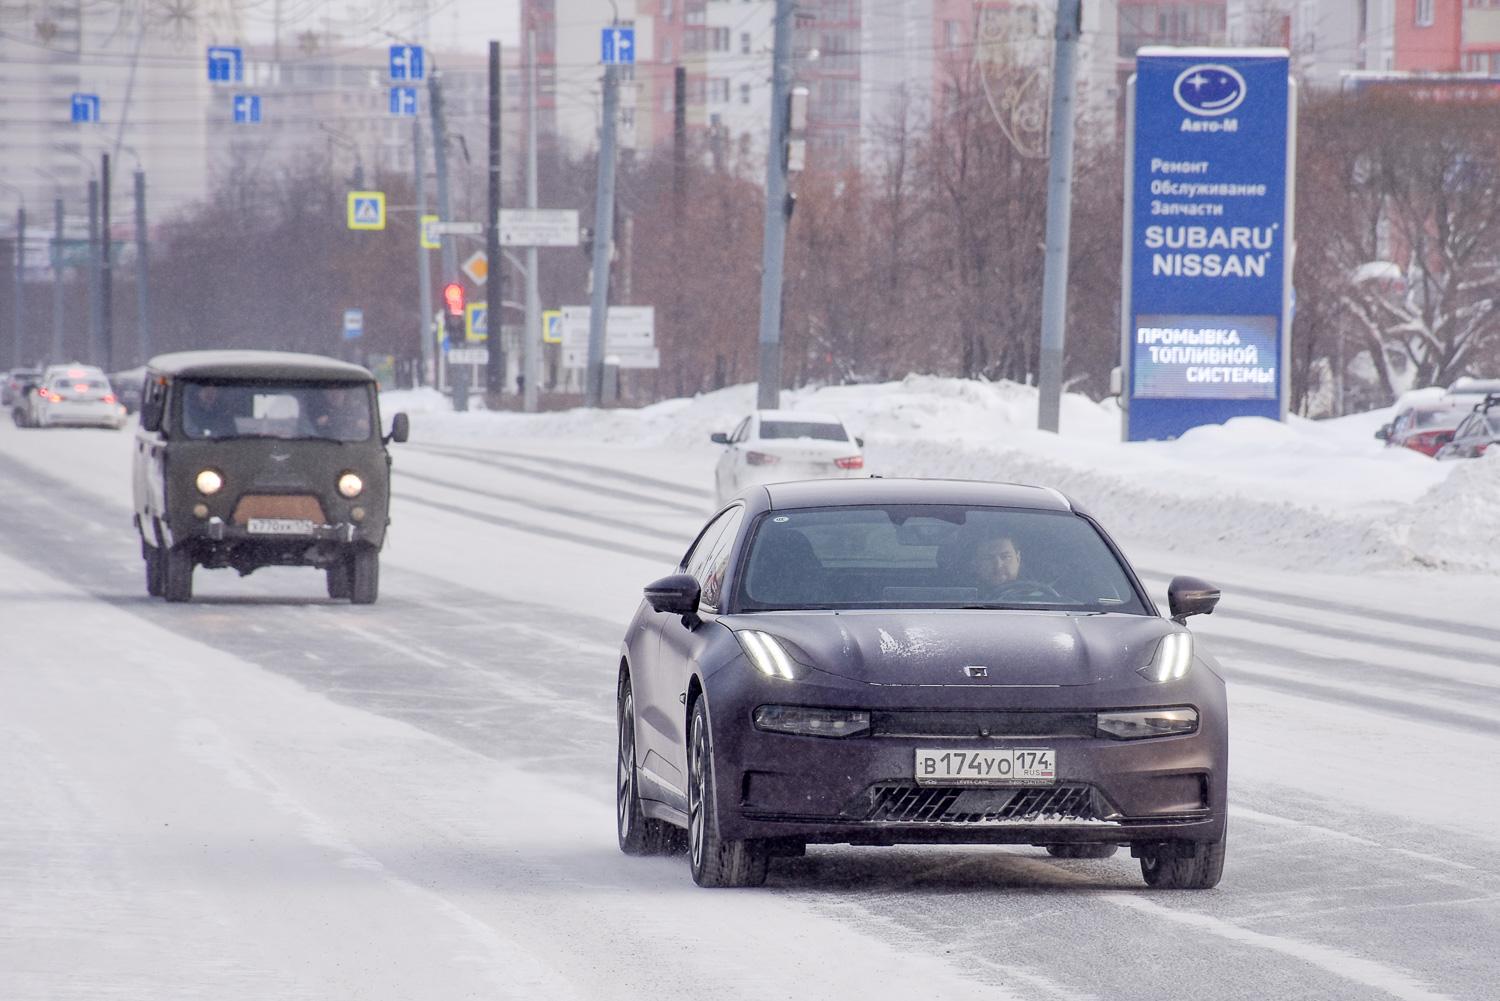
247, 109
406, 62
226, 64
404, 101
85, 108
617, 46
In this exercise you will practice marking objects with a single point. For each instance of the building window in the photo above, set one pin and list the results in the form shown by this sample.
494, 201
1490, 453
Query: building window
744, 43
744, 99
1424, 13
720, 38
718, 90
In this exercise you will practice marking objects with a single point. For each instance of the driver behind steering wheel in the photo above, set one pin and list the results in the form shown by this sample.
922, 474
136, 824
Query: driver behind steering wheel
997, 562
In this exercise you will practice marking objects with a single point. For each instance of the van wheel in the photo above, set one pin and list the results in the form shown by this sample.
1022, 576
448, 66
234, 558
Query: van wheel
339, 579
364, 576
177, 576
154, 583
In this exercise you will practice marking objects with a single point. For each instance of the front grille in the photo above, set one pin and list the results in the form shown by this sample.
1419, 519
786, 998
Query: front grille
913, 804
967, 723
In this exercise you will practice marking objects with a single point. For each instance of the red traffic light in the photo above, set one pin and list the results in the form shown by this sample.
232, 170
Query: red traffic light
453, 298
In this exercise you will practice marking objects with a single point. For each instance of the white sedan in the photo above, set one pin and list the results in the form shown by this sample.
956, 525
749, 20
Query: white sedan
773, 446
75, 397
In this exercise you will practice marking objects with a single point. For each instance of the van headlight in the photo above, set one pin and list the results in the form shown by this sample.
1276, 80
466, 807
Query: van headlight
209, 482
350, 484
1172, 659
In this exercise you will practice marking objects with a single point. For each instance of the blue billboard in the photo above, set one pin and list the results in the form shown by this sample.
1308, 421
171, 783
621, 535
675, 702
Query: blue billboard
1208, 239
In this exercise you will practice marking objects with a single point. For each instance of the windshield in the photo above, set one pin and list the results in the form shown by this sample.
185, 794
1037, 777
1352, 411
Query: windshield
1435, 418
803, 429
223, 410
932, 556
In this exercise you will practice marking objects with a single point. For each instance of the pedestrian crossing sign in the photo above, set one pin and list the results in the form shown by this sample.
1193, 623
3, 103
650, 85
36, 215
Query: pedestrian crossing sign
552, 326
367, 210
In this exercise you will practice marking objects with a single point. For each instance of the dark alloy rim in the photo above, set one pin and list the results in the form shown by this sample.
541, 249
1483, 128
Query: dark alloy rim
625, 769
697, 790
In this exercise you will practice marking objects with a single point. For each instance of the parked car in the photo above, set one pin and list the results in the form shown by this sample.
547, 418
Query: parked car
1423, 427
887, 661
1479, 430
249, 459
773, 446
72, 396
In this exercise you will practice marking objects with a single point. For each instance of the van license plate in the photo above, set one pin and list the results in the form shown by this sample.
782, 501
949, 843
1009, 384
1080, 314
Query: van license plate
280, 526
1010, 767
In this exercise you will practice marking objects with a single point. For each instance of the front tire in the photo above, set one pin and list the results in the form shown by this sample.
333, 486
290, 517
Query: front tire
1200, 871
715, 861
364, 576
340, 582
154, 570
177, 575
638, 834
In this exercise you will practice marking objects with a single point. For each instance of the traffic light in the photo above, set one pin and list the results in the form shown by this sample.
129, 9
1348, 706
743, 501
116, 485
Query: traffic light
453, 312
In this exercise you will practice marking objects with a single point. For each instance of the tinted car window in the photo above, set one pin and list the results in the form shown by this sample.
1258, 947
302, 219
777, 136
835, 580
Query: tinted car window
696, 560
932, 556
336, 412
716, 565
803, 429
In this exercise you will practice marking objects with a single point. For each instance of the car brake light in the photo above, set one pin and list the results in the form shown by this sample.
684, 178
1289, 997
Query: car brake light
852, 462
53, 397
109, 397
1479, 449
761, 458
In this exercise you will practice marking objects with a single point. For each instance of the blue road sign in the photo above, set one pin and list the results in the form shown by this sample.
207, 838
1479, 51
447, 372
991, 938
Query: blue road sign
85, 108
407, 62
404, 101
226, 64
1206, 318
354, 324
476, 321
247, 109
617, 46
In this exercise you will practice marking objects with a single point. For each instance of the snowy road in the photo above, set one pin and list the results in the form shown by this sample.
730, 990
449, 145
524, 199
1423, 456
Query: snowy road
265, 794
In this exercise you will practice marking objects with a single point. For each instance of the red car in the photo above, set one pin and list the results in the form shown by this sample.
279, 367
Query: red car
1424, 427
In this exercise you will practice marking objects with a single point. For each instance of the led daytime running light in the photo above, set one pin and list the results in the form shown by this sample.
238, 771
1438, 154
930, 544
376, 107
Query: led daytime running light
1173, 658
766, 653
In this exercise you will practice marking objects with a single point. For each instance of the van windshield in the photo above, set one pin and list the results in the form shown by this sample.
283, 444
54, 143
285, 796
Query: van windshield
225, 410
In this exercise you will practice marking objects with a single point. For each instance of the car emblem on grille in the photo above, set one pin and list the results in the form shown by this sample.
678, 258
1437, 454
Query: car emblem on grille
280, 456
977, 672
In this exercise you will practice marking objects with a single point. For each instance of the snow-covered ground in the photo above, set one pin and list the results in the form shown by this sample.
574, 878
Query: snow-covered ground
263, 794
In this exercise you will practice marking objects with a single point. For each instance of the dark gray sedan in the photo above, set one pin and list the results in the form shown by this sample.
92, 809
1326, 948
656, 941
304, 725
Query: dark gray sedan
877, 661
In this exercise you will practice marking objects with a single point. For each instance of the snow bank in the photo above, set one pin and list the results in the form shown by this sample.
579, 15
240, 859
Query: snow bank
1295, 494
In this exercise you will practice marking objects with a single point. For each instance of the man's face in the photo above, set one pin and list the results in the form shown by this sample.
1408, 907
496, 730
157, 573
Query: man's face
999, 561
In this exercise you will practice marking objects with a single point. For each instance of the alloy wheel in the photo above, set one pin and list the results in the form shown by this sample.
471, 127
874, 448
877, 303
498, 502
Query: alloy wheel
697, 790
625, 768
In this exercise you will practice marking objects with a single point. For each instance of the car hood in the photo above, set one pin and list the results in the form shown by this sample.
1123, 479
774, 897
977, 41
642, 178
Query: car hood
923, 648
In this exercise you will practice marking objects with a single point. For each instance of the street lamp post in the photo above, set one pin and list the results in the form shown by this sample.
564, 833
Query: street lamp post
17, 349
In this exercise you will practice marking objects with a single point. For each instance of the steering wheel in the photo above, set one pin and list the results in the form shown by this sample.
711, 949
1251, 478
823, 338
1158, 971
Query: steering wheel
1018, 588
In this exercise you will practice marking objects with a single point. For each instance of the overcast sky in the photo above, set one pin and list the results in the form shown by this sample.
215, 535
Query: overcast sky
464, 24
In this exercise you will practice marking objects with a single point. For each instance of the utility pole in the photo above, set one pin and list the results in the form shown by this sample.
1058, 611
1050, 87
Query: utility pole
56, 354
604, 224
531, 352
424, 265
106, 270
679, 138
458, 375
18, 348
96, 346
142, 269
774, 249
1059, 217
494, 281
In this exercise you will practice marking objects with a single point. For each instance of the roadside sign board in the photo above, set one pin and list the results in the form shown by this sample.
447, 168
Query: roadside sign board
226, 64
407, 62
367, 210
458, 228
354, 324
468, 356
429, 236
476, 321
85, 108
404, 101
247, 109
1208, 202
552, 326
538, 227
629, 335
617, 46
477, 267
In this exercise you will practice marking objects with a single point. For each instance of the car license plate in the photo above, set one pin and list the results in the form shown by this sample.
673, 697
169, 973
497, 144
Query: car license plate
280, 526
1004, 767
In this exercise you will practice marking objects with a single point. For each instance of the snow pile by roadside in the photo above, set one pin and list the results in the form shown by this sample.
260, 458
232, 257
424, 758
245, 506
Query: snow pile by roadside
1295, 494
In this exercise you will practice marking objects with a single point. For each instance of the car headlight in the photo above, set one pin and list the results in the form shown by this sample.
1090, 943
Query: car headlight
766, 653
1173, 657
1133, 724
350, 484
812, 722
209, 482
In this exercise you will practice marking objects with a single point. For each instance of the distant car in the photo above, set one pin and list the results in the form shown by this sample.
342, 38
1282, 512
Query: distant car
889, 661
128, 385
1423, 427
73, 396
1479, 430
773, 446
13, 386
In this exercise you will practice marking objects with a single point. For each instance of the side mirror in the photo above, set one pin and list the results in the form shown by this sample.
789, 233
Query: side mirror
860, 442
400, 427
151, 416
677, 594
1190, 596
1384, 434
719, 438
